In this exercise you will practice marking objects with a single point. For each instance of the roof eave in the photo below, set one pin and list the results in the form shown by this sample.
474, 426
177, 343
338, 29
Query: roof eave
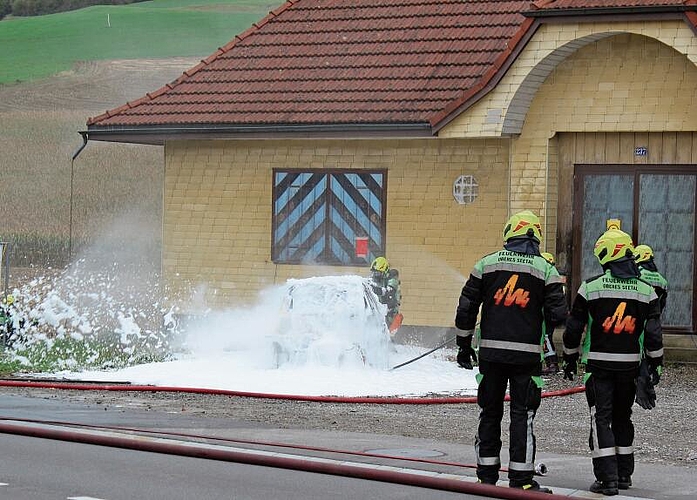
159, 134
605, 11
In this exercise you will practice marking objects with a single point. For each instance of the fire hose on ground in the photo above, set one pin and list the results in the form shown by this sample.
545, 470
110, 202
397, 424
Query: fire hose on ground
124, 387
48, 430
293, 463
540, 468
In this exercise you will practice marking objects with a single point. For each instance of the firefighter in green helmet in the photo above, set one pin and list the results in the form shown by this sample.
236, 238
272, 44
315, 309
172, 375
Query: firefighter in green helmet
550, 353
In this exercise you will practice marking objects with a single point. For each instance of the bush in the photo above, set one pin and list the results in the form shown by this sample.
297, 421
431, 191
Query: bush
5, 8
86, 318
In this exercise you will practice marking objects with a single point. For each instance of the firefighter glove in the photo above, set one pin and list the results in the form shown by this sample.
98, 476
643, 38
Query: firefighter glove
645, 393
570, 365
655, 367
466, 356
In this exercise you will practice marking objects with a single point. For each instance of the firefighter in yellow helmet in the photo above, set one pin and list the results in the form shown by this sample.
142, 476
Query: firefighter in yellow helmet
616, 310
6, 319
517, 290
550, 354
643, 254
386, 285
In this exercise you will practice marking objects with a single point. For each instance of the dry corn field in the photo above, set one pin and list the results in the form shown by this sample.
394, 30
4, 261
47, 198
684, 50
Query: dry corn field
116, 188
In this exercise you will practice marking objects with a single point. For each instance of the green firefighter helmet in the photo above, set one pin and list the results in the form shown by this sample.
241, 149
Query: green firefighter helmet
613, 245
380, 264
523, 223
548, 257
643, 253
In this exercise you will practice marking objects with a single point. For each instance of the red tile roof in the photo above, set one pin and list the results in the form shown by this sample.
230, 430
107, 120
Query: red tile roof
315, 62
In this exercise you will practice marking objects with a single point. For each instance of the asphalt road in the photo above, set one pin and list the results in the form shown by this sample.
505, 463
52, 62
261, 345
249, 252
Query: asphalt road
33, 468
39, 468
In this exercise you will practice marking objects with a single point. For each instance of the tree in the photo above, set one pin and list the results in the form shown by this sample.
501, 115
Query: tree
5, 8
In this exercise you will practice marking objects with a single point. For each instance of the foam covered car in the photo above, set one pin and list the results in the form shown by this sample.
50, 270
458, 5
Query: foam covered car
331, 320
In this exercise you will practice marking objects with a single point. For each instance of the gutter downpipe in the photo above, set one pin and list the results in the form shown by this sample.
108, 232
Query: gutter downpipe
85, 138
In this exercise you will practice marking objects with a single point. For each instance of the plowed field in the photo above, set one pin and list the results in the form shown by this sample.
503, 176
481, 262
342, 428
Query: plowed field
114, 185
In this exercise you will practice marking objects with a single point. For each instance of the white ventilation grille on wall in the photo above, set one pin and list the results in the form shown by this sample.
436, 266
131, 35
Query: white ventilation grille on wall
465, 189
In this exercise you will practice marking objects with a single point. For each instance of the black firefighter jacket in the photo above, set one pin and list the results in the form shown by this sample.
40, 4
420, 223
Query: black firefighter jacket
517, 293
621, 317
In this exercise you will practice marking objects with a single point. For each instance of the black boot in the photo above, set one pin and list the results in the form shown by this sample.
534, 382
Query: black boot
552, 368
624, 482
608, 488
532, 486
482, 481
552, 363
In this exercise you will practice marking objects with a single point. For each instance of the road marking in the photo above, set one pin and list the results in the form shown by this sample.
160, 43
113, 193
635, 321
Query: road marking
83, 498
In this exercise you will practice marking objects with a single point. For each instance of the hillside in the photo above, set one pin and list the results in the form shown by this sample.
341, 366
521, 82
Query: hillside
116, 188
113, 184
155, 29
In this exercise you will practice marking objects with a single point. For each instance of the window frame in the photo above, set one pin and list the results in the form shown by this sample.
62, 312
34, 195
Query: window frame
635, 171
327, 206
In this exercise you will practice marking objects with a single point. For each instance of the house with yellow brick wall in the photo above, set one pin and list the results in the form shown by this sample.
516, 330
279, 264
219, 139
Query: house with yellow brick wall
419, 130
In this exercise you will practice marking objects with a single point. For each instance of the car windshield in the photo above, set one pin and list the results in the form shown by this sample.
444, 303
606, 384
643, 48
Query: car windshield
336, 314
343, 295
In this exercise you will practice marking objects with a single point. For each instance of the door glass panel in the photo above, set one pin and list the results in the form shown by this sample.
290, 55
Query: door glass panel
605, 197
666, 224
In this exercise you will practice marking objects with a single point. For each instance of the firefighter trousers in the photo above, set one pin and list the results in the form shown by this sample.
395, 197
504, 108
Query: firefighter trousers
525, 395
610, 395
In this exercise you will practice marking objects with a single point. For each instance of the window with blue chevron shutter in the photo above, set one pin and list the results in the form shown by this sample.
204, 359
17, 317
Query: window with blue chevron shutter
318, 214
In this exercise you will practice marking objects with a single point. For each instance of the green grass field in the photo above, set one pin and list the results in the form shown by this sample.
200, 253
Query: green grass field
36, 47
